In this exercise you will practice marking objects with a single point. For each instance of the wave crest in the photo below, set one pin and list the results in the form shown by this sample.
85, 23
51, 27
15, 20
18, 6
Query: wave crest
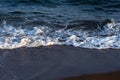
108, 37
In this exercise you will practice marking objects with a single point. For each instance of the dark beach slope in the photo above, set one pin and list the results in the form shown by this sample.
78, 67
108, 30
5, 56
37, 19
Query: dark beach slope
100, 76
56, 62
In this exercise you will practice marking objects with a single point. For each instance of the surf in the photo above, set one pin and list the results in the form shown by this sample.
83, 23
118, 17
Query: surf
15, 37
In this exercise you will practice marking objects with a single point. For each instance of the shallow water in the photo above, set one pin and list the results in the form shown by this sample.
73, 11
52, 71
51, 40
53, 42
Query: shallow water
33, 23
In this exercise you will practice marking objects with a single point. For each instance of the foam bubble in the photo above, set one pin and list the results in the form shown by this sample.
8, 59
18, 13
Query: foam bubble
15, 37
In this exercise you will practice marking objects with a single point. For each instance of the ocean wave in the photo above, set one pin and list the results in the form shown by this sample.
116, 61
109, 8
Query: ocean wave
15, 37
60, 2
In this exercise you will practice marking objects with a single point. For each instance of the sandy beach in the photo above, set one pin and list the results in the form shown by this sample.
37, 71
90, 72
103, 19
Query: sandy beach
59, 39
101, 76
56, 62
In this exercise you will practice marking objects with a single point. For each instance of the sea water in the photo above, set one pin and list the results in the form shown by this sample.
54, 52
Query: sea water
33, 23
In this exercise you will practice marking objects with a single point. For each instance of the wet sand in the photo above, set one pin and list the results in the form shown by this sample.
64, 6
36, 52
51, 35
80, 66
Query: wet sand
56, 62
102, 76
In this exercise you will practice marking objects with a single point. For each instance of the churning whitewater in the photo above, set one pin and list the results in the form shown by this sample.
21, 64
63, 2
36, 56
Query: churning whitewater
33, 23
15, 37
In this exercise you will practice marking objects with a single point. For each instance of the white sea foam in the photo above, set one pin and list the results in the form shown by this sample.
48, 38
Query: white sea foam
11, 37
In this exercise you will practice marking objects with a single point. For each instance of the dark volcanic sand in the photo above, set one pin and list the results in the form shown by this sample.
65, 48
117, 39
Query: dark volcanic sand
101, 76
56, 62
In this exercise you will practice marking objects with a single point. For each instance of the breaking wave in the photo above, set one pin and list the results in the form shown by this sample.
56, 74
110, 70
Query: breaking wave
15, 37
33, 23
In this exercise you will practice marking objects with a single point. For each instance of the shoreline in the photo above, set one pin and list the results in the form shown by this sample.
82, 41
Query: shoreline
115, 75
56, 62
